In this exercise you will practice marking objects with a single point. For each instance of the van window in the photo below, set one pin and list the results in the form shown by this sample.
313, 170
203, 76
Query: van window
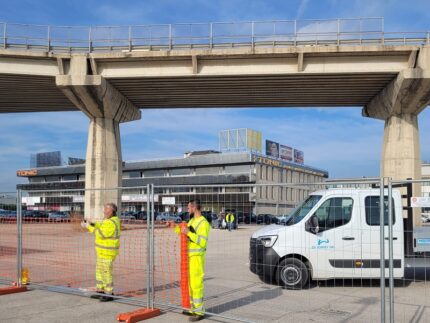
372, 210
302, 209
334, 213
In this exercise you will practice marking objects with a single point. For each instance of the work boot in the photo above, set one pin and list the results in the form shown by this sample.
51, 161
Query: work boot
187, 313
196, 317
107, 298
95, 296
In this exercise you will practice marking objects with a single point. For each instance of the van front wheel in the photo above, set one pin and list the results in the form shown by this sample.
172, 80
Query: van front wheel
292, 273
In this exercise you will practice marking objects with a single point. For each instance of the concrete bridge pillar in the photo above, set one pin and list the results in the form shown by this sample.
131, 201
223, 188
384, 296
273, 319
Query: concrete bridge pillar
401, 156
399, 105
106, 109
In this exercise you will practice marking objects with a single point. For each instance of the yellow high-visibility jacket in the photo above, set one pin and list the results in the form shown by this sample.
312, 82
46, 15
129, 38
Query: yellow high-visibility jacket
229, 218
198, 236
107, 235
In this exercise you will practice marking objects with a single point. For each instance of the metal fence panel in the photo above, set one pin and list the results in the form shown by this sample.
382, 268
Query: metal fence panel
8, 238
57, 251
343, 290
407, 298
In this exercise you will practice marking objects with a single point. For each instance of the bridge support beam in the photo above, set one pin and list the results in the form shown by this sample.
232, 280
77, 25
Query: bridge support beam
399, 105
106, 108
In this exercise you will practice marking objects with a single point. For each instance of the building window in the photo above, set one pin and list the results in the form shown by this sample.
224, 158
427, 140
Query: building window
234, 169
70, 178
153, 173
207, 170
37, 179
180, 190
180, 171
81, 177
52, 178
207, 190
134, 174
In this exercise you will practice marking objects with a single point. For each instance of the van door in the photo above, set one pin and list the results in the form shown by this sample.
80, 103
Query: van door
371, 235
337, 245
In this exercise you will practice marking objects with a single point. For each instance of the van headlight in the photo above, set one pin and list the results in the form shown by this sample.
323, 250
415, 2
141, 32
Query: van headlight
268, 241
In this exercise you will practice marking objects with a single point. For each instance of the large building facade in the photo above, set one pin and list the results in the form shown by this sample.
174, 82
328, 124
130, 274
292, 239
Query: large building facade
243, 181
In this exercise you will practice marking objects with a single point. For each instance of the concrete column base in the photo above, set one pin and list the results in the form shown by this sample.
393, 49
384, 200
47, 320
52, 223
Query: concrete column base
103, 167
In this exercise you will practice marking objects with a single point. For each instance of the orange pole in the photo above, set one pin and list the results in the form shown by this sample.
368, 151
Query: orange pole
185, 293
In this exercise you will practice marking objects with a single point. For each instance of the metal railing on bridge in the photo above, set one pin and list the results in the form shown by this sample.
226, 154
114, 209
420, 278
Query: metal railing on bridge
286, 33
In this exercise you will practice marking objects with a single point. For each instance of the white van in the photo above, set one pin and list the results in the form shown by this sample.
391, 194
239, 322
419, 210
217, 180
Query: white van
334, 233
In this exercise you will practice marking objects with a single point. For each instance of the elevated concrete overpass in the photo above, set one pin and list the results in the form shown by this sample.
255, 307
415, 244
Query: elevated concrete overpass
390, 82
244, 77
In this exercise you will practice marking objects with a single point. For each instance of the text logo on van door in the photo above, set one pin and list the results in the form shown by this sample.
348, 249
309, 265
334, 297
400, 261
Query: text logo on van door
323, 244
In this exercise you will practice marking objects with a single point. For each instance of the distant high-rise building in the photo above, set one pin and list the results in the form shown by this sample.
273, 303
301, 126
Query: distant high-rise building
46, 159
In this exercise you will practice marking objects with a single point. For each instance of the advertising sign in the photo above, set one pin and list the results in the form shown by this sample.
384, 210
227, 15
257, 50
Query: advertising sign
298, 156
420, 201
168, 200
286, 153
25, 173
272, 149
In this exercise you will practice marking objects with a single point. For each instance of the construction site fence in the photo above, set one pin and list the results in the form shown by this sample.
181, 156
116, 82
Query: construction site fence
43, 245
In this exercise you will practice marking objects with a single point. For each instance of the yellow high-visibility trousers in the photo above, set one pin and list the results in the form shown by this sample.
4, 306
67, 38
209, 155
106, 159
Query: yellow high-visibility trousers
196, 282
104, 275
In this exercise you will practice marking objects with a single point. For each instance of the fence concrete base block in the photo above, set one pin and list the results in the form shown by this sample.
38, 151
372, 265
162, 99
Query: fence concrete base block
138, 315
12, 290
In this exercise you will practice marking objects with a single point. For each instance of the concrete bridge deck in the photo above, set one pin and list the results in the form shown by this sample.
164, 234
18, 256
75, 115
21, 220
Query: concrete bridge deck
284, 77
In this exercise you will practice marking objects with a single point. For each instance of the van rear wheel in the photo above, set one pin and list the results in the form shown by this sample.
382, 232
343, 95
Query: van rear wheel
292, 273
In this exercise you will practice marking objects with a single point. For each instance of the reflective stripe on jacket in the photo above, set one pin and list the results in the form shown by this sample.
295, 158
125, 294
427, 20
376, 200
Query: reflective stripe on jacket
198, 236
107, 235
229, 218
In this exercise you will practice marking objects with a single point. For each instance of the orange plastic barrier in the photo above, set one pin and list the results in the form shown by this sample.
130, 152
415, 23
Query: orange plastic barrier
138, 315
185, 293
12, 290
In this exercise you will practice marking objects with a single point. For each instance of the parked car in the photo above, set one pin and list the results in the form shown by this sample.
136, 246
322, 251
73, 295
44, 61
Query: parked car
185, 216
209, 215
165, 217
267, 219
34, 214
58, 216
240, 217
283, 219
127, 216
7, 214
140, 215
249, 218
425, 217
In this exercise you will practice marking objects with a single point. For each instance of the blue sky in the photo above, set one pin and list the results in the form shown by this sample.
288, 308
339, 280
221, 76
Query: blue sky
336, 139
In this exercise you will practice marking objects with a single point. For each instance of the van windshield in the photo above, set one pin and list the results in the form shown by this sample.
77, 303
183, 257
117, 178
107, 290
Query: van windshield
302, 209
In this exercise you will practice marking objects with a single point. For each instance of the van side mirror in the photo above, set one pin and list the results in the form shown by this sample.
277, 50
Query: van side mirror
312, 225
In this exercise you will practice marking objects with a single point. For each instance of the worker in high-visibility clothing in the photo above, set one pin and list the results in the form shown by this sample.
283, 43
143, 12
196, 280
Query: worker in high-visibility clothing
197, 232
107, 234
229, 218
